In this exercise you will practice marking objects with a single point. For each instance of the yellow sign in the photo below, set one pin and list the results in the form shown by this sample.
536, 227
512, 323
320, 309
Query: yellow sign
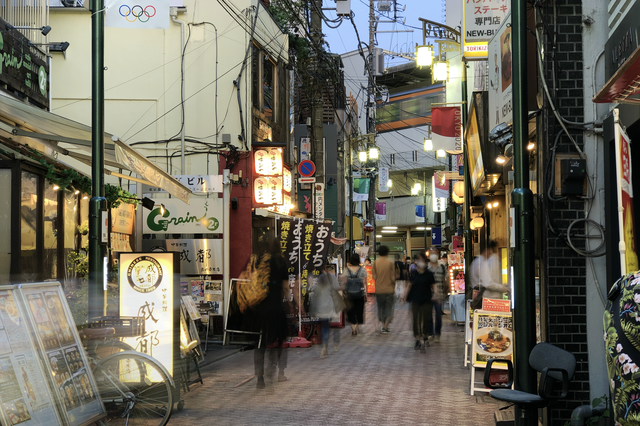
146, 290
478, 50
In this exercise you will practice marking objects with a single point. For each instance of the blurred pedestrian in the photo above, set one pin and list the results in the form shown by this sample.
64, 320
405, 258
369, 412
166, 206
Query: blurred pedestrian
354, 279
323, 292
440, 275
483, 274
385, 277
419, 293
402, 275
270, 315
367, 262
412, 266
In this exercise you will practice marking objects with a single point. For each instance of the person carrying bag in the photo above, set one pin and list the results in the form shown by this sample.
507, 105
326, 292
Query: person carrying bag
354, 282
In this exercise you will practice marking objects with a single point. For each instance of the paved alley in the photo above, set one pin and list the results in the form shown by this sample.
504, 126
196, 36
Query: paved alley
373, 379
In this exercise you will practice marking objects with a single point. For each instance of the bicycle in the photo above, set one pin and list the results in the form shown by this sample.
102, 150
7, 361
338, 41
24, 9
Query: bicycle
135, 388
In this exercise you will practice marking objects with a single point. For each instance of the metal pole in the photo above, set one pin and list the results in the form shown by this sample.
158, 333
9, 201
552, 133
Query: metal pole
424, 197
351, 250
524, 308
468, 191
98, 202
226, 261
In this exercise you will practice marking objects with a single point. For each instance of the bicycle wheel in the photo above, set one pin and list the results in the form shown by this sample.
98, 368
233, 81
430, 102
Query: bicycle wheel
134, 389
110, 347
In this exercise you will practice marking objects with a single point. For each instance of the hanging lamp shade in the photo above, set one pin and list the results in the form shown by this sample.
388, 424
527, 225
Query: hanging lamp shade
477, 222
458, 189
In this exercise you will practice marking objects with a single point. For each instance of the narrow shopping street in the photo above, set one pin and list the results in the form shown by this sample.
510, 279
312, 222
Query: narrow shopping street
374, 379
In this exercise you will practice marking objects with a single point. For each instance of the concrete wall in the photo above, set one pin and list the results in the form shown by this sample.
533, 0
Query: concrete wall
143, 78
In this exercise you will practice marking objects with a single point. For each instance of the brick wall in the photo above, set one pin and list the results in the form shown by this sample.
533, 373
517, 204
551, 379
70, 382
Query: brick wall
564, 271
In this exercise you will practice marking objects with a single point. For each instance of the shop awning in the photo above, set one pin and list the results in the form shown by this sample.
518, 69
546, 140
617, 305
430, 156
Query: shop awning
623, 84
20, 119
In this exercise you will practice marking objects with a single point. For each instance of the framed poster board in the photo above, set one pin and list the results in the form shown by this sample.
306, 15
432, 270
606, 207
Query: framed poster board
150, 288
492, 338
190, 306
43, 306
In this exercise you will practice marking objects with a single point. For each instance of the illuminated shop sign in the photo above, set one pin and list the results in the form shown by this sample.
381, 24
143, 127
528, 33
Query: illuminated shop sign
147, 290
268, 162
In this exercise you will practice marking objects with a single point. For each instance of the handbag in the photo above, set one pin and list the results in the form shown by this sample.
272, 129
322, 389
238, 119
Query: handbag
256, 290
339, 304
476, 302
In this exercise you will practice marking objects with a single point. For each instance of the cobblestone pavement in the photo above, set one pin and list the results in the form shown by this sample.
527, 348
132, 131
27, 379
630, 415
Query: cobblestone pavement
373, 379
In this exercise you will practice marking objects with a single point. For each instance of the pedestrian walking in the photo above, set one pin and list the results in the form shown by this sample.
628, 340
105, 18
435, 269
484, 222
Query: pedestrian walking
270, 315
402, 275
483, 273
354, 279
323, 306
385, 277
441, 280
419, 293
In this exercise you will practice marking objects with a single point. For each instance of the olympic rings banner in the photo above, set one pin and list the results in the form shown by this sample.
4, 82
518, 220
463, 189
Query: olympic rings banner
147, 14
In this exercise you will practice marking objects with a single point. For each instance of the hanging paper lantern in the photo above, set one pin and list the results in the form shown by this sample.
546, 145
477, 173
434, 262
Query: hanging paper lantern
458, 189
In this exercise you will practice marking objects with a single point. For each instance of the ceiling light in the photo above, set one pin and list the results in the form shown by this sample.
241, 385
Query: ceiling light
389, 227
501, 159
496, 204
378, 236
420, 228
388, 231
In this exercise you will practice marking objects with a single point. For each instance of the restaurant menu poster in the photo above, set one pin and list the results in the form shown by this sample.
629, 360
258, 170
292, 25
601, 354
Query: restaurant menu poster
26, 397
197, 290
66, 361
492, 338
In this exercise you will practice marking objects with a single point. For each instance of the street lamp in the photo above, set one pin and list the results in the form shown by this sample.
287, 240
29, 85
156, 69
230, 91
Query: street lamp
441, 153
428, 144
43, 30
362, 156
373, 153
424, 55
440, 71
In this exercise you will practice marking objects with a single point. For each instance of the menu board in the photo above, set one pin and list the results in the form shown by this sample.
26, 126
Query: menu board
66, 361
492, 338
25, 395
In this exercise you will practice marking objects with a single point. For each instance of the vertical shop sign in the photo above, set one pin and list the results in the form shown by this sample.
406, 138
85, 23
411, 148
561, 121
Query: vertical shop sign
383, 179
500, 73
319, 197
381, 211
147, 290
628, 259
289, 238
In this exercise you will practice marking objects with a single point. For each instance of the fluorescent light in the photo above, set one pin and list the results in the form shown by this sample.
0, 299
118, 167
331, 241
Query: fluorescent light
389, 227
378, 236
420, 228
388, 231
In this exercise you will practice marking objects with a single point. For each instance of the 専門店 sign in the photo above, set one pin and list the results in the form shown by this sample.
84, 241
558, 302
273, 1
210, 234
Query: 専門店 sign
197, 256
21, 69
482, 18
172, 216
198, 184
500, 87
148, 289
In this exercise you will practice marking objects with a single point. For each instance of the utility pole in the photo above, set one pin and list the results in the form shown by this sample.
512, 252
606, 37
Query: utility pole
98, 203
317, 98
524, 311
371, 122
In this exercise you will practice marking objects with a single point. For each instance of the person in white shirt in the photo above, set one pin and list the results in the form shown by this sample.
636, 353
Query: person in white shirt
483, 273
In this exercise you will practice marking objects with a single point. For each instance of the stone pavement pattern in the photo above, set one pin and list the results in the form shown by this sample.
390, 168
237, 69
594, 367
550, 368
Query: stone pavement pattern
373, 380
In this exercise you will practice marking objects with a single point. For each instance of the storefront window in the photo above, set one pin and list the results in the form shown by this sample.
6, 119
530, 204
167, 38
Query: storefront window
50, 261
70, 212
268, 87
5, 226
28, 226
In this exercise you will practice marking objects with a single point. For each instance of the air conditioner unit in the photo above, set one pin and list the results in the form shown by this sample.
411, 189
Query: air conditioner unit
343, 7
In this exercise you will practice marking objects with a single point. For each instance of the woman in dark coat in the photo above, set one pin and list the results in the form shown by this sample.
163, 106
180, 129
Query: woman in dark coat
270, 315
